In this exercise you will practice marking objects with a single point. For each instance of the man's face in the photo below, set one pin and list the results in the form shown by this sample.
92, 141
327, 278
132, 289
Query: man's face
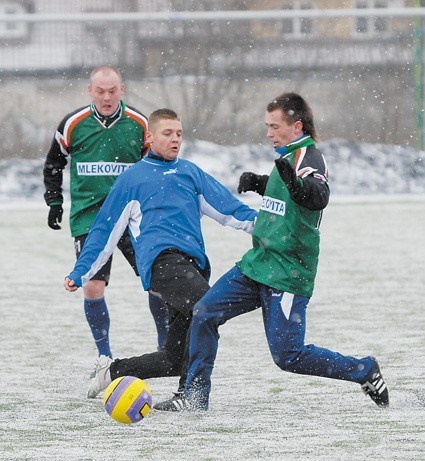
166, 138
279, 131
105, 90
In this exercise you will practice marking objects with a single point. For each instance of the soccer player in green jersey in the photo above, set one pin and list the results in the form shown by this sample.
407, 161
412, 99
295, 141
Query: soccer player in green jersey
99, 141
278, 272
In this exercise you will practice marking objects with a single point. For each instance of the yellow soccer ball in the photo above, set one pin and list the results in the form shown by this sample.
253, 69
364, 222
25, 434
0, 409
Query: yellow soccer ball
127, 400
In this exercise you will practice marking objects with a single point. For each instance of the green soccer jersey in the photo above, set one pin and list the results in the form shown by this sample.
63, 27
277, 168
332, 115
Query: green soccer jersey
286, 237
98, 152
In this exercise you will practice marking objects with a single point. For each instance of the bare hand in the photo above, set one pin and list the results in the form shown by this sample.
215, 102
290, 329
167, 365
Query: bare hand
70, 285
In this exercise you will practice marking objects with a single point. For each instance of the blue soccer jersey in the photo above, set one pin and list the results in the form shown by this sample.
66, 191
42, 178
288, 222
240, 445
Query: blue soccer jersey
162, 204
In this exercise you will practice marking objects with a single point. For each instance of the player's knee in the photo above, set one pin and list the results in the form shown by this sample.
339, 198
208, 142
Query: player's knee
94, 289
200, 312
203, 318
286, 360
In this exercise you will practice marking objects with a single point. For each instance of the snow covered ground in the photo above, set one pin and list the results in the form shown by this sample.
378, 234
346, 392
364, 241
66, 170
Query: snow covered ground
368, 300
354, 168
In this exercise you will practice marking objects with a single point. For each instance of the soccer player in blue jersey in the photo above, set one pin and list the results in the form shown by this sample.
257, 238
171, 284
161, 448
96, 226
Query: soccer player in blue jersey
161, 200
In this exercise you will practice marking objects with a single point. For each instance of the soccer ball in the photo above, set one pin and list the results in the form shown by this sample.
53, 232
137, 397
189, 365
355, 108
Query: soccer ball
128, 399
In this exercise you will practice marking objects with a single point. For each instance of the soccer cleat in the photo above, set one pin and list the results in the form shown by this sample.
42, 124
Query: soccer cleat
93, 373
375, 387
177, 403
181, 402
102, 376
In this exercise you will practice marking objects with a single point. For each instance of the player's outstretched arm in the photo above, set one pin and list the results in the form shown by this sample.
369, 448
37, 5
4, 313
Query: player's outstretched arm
70, 285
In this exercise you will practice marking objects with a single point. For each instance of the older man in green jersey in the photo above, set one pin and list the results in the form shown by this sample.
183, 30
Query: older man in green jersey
100, 141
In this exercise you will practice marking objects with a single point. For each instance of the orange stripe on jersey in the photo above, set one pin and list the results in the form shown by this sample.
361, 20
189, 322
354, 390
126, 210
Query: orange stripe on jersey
299, 155
139, 119
63, 144
73, 122
136, 116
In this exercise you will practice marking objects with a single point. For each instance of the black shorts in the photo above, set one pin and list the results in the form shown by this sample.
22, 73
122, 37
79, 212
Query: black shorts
125, 247
181, 284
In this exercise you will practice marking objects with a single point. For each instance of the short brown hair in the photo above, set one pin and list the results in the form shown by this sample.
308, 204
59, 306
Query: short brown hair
161, 114
295, 108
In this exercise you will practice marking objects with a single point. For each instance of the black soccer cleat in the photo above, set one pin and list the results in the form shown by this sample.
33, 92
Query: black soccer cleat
375, 387
177, 403
181, 402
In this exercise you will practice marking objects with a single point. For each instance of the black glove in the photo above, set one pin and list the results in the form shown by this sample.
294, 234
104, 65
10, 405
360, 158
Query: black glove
55, 216
251, 181
288, 175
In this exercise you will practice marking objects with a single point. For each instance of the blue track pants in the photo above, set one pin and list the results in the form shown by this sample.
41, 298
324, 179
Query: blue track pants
284, 316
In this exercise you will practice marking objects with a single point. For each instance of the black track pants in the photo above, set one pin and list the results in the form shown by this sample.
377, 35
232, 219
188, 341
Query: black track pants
181, 284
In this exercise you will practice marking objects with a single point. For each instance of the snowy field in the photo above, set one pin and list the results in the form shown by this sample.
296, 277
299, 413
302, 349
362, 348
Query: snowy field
368, 300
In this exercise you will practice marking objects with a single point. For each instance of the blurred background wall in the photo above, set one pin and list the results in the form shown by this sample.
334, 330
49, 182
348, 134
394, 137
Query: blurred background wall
361, 74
